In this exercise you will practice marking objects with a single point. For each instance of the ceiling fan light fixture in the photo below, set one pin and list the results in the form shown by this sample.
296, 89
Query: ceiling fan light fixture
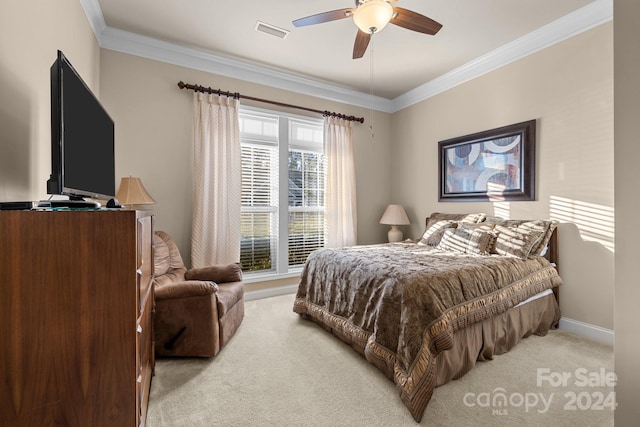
373, 15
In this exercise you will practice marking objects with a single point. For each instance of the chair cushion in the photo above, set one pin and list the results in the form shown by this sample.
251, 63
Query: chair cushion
166, 256
228, 295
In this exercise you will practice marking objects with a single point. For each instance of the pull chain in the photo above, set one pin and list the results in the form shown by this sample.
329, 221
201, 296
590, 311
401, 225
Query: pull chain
371, 85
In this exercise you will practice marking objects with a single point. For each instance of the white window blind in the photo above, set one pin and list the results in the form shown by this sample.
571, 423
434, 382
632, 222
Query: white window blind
259, 146
275, 146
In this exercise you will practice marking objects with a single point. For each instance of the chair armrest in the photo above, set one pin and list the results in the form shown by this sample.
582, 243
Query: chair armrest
217, 273
187, 288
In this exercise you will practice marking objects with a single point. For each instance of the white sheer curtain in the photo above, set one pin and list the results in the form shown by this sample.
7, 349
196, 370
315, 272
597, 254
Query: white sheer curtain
217, 181
341, 183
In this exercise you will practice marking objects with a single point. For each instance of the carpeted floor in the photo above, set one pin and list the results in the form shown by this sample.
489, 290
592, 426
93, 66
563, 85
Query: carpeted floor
280, 370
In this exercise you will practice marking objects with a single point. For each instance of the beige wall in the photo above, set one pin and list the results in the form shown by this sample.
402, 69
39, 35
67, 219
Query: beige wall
31, 32
568, 88
627, 178
154, 139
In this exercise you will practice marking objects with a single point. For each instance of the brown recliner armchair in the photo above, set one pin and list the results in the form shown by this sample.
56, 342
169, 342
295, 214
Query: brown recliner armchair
198, 310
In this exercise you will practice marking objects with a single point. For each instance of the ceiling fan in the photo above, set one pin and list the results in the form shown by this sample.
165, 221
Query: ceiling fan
371, 16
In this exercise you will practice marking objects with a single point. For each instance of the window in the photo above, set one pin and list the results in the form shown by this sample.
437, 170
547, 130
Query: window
280, 149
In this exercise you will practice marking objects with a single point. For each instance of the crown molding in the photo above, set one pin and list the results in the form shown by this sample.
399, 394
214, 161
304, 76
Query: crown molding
150, 48
590, 16
94, 15
579, 21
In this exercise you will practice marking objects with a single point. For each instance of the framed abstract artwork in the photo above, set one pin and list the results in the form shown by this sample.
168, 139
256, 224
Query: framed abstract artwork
493, 165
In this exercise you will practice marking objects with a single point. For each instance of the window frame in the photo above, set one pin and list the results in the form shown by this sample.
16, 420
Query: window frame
281, 269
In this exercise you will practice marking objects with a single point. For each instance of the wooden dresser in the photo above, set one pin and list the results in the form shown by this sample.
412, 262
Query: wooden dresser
75, 317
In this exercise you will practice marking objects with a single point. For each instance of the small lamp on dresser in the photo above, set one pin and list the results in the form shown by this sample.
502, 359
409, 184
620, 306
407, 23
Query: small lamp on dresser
132, 193
394, 216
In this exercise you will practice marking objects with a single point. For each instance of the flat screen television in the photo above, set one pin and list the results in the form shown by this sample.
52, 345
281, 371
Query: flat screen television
82, 138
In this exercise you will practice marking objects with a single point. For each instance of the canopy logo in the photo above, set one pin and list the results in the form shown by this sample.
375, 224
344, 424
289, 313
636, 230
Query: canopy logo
590, 391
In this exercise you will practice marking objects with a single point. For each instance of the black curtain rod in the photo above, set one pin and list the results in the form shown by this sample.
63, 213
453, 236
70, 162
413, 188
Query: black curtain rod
236, 95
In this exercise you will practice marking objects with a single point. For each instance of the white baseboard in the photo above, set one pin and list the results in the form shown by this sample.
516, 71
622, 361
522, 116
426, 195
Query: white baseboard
270, 292
587, 330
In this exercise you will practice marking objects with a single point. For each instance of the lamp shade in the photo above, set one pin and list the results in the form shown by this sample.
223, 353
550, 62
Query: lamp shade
132, 192
373, 15
395, 215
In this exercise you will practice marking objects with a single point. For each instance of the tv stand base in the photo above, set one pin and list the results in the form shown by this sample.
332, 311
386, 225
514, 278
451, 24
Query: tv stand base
71, 204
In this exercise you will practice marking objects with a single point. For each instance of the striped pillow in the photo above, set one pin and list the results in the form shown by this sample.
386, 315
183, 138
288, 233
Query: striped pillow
433, 234
529, 229
517, 241
469, 240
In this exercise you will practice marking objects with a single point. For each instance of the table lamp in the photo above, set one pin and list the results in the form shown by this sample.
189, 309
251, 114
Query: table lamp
132, 192
394, 216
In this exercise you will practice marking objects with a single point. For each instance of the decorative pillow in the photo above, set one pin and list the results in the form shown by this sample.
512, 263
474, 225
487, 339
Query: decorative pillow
471, 240
161, 257
541, 248
434, 232
493, 220
479, 226
517, 241
470, 218
482, 238
543, 227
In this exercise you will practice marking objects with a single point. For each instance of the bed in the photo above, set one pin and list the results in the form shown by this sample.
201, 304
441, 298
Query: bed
423, 312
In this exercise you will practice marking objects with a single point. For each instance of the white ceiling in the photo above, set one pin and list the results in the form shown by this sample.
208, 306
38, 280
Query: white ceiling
403, 60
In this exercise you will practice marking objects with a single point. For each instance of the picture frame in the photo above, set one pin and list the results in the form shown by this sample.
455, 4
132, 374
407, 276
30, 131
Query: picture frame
492, 165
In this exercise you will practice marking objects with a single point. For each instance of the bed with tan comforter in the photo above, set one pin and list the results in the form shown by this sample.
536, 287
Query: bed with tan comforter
409, 307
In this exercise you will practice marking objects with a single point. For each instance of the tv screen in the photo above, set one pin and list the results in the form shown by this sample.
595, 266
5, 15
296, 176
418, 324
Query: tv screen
82, 138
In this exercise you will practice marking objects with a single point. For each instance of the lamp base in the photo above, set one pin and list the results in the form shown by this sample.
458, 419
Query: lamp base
395, 234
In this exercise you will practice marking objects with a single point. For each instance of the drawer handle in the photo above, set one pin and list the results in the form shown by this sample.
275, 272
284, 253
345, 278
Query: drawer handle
139, 329
139, 379
139, 271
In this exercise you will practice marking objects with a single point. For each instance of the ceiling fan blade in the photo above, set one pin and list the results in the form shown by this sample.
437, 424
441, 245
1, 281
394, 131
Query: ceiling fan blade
411, 20
361, 44
319, 18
